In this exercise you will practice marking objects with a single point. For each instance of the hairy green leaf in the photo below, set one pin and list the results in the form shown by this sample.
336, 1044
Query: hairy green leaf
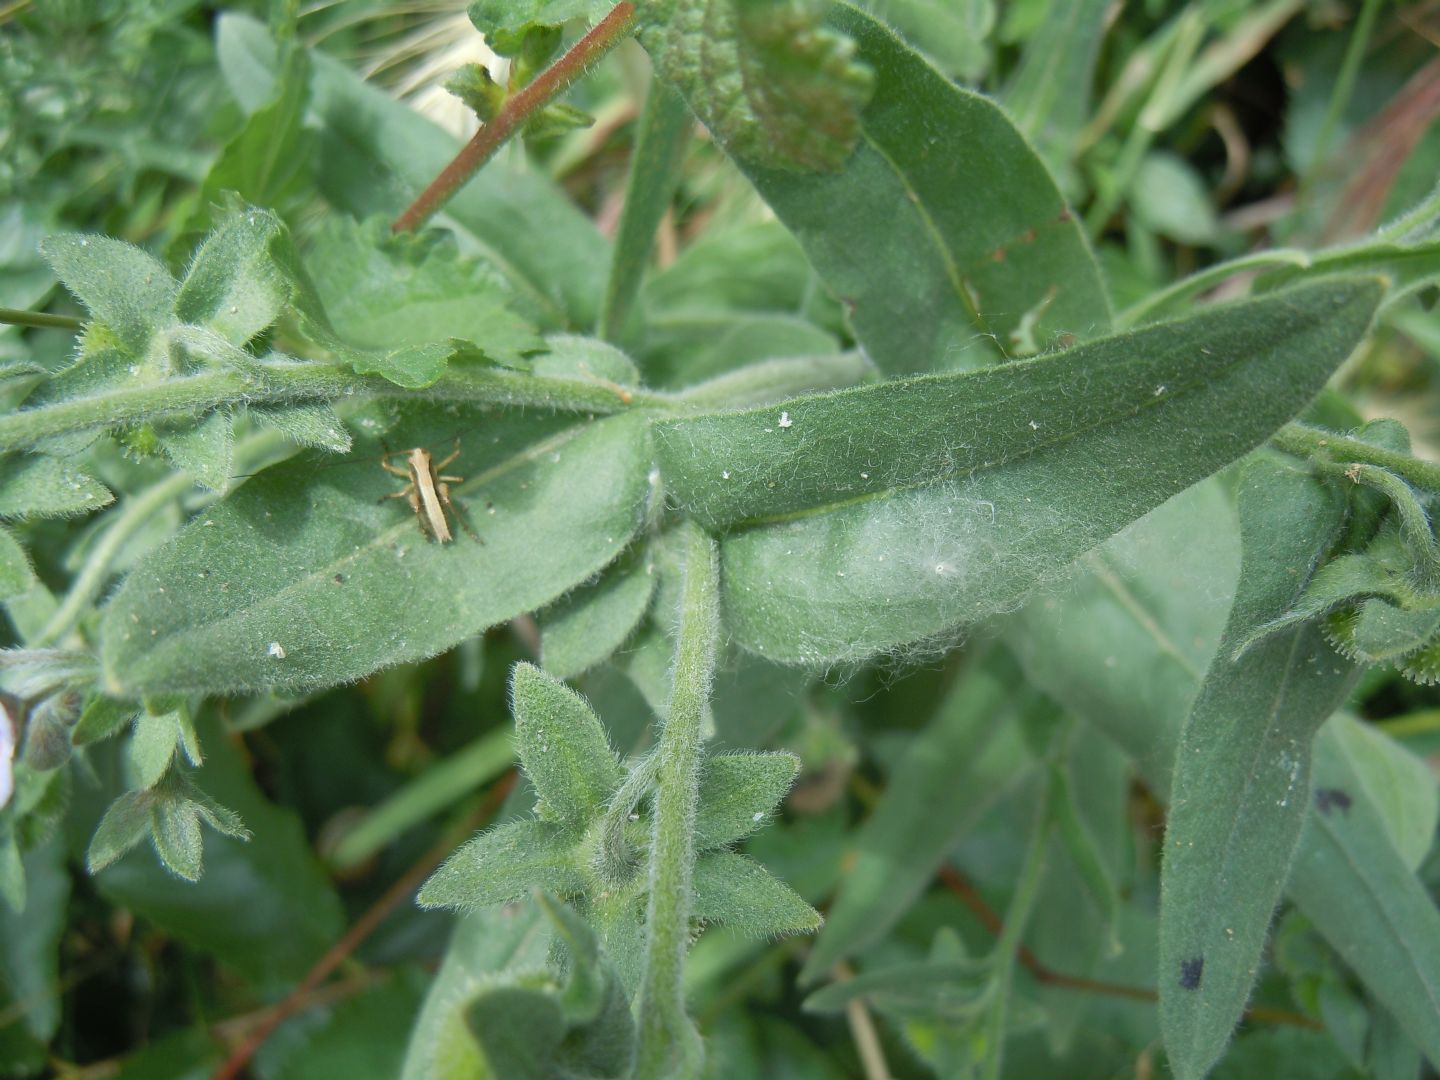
503, 864
972, 488
771, 81
234, 287
738, 793
302, 579
970, 752
306, 425
562, 746
125, 824
1397, 783
204, 449
175, 830
586, 626
126, 289
741, 894
16, 573
1242, 769
943, 235
507, 23
34, 486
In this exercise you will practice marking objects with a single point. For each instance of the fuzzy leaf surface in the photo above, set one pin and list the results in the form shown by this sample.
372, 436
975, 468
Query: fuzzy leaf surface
738, 793
126, 289
770, 80
233, 286
943, 195
34, 486
588, 625
1242, 770
563, 747
503, 864
16, 573
972, 488
743, 895
305, 558
505, 23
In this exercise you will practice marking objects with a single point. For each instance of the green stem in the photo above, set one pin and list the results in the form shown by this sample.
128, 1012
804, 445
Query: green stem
669, 1045
21, 317
1158, 301
1017, 915
547, 86
1344, 85
308, 382
1305, 441
654, 173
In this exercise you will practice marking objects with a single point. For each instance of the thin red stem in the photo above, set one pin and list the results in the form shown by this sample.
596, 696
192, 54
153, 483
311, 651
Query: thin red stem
543, 89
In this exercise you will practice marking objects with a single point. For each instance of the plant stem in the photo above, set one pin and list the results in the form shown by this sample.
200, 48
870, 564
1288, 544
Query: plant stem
546, 86
1344, 85
1017, 915
1305, 441
21, 317
1161, 299
305, 382
669, 1045
654, 172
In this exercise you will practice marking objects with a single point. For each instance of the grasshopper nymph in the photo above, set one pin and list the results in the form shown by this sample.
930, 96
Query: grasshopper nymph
428, 491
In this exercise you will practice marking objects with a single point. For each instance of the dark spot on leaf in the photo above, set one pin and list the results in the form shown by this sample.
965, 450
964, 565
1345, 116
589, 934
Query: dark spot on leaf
339, 579
1190, 972
1065, 215
1028, 236
998, 255
1327, 799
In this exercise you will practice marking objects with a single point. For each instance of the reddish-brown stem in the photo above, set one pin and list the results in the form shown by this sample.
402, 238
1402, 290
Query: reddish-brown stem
303, 994
957, 884
543, 89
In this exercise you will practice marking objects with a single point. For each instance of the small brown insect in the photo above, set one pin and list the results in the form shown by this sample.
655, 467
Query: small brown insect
428, 491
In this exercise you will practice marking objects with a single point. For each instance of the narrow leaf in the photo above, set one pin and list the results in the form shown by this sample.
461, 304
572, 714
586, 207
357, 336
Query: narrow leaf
175, 830
16, 574
124, 825
316, 425
992, 481
944, 195
586, 626
738, 793
34, 486
504, 864
744, 896
234, 286
562, 746
204, 449
153, 746
102, 718
302, 578
1242, 773
126, 289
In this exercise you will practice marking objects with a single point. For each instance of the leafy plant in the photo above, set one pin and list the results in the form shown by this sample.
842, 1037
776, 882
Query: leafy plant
925, 482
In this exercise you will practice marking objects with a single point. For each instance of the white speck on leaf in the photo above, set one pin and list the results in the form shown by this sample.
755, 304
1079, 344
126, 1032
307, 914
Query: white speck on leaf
1159, 389
725, 474
276, 650
1034, 426
785, 420
864, 476
759, 815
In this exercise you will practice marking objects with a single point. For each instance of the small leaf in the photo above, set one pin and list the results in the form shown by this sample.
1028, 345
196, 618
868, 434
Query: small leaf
738, 792
955, 991
16, 574
518, 1030
126, 289
47, 735
124, 825
234, 286
563, 747
1242, 772
586, 626
175, 830
507, 23
768, 78
153, 746
741, 894
503, 864
102, 718
316, 425
205, 449
33, 486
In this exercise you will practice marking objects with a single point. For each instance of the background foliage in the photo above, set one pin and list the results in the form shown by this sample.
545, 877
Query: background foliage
976, 484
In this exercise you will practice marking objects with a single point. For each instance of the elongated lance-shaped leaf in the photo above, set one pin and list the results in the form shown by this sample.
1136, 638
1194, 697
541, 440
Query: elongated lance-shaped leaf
304, 578
1351, 880
741, 894
503, 864
969, 753
738, 793
1242, 770
233, 286
128, 290
588, 625
563, 747
969, 489
943, 233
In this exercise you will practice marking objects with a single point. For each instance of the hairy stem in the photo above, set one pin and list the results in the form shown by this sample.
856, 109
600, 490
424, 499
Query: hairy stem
305, 382
669, 1044
654, 171
1305, 441
548, 85
21, 317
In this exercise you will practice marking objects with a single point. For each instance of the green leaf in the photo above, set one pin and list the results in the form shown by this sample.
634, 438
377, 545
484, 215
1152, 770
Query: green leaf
1398, 784
518, 1030
316, 425
125, 824
770, 80
738, 793
970, 752
1242, 772
34, 486
955, 990
503, 864
30, 943
302, 579
204, 449
16, 574
953, 33
103, 717
395, 301
486, 943
1352, 882
126, 289
858, 546
234, 286
944, 195
47, 736
506, 23
175, 830
586, 626
376, 154
1169, 197
741, 894
157, 734
563, 747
